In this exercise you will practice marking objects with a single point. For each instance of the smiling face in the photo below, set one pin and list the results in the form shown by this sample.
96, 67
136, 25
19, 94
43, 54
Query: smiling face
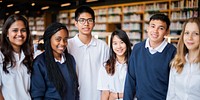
156, 31
59, 42
191, 36
85, 28
119, 47
17, 35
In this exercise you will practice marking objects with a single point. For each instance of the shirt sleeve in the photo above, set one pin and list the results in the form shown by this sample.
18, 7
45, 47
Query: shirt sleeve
1, 68
38, 86
171, 88
103, 81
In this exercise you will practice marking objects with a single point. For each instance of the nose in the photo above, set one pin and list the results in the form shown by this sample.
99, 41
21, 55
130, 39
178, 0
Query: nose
118, 45
155, 29
19, 33
86, 22
63, 42
190, 36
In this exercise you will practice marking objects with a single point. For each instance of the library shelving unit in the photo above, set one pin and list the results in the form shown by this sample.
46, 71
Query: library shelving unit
133, 17
36, 25
180, 10
1, 25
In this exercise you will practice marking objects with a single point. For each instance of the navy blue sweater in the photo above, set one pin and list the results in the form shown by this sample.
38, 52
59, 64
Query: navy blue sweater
148, 74
43, 89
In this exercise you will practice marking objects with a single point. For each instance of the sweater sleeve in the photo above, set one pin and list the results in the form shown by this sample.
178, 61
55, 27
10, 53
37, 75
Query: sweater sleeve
130, 83
38, 86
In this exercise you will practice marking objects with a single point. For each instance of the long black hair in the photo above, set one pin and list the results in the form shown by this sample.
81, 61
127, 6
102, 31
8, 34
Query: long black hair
7, 49
54, 72
110, 64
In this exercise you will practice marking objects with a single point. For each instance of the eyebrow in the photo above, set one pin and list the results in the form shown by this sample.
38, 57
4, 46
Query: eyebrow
158, 25
85, 18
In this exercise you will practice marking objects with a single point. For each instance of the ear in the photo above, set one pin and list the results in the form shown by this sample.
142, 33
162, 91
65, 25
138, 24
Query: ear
94, 24
76, 23
147, 29
168, 32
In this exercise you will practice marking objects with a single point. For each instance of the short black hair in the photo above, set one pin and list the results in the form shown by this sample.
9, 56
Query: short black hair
161, 17
83, 9
40, 46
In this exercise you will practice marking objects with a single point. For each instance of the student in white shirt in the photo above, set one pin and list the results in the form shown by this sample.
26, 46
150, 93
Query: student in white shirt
112, 76
89, 53
16, 56
40, 49
184, 81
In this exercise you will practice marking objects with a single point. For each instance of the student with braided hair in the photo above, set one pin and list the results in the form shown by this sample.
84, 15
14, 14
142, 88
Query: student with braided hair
54, 76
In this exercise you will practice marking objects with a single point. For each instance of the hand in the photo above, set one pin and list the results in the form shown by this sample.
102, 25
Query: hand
113, 96
1, 96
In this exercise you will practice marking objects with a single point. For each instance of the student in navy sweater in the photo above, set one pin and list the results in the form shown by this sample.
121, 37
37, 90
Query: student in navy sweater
148, 68
54, 76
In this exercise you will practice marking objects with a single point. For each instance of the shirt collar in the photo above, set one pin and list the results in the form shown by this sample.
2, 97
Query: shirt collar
117, 63
186, 57
62, 59
18, 57
160, 48
79, 43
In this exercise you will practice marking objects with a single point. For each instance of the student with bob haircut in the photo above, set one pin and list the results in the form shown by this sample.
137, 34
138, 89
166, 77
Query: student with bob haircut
184, 80
16, 56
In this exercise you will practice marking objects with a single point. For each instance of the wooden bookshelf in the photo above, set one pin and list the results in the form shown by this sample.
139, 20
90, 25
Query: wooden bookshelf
134, 17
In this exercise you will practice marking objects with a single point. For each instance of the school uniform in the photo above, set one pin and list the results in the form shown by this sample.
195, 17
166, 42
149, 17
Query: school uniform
88, 58
185, 85
148, 71
15, 85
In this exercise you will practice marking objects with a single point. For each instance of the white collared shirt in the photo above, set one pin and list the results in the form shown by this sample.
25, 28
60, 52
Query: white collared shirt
186, 85
114, 83
88, 59
15, 85
160, 48
62, 60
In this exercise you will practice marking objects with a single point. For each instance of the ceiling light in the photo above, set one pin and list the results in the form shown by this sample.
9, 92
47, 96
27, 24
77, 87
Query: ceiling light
44, 8
0, 0
65, 4
91, 0
16, 12
10, 5
33, 4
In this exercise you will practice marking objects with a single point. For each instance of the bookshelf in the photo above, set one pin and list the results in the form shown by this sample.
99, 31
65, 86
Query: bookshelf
36, 25
134, 17
1, 25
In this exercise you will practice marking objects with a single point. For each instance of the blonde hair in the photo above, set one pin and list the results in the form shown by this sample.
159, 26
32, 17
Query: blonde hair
179, 59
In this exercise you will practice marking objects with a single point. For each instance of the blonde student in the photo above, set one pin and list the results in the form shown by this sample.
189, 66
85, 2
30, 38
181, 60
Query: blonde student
184, 80
16, 56
112, 76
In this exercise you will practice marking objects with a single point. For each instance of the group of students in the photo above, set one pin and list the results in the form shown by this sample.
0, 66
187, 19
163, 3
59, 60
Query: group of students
85, 68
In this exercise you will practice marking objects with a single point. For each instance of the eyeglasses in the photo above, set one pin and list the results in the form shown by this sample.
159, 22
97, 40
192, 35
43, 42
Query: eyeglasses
89, 20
